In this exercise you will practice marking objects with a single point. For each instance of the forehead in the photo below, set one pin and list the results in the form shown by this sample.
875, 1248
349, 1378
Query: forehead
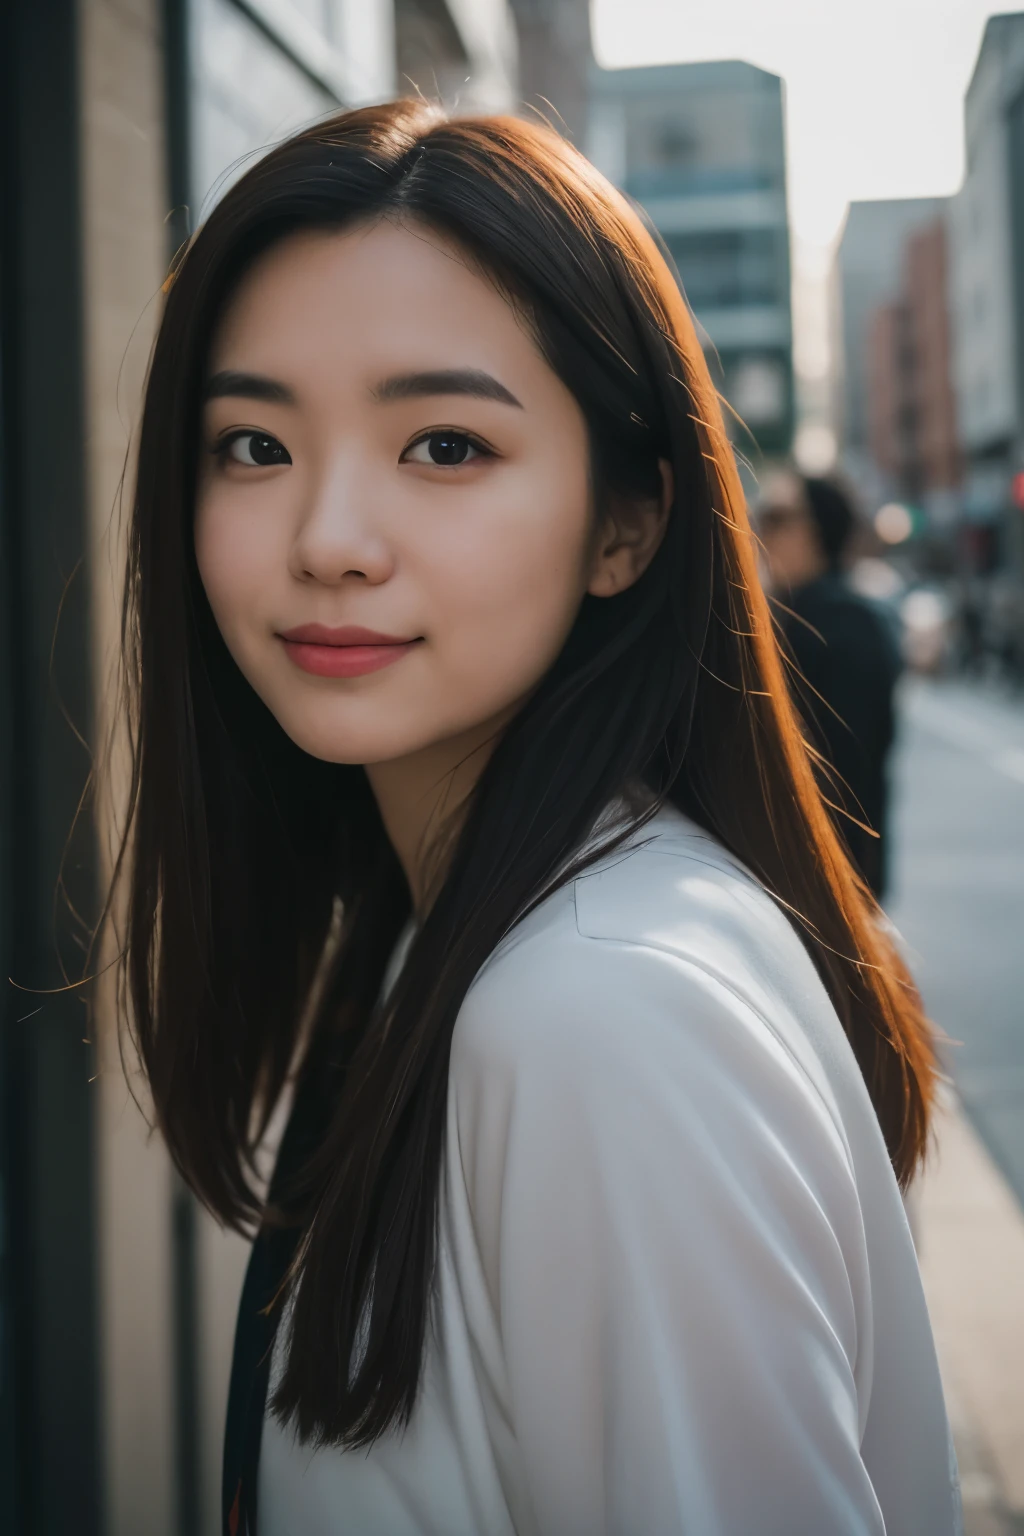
382, 295
781, 491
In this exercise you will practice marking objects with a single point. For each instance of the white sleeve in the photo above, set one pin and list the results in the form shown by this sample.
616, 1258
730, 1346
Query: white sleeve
672, 1239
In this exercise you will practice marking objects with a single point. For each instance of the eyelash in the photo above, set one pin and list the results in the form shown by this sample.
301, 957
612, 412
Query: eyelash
223, 446
474, 442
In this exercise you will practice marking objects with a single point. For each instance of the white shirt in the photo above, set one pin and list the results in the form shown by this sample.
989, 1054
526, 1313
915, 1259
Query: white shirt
676, 1289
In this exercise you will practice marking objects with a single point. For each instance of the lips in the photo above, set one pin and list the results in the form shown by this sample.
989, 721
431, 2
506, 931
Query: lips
348, 651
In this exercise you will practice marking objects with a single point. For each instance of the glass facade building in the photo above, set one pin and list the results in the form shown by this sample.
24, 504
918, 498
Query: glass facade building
244, 91
701, 147
987, 305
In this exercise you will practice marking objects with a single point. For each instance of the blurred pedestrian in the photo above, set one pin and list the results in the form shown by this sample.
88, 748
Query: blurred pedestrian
845, 653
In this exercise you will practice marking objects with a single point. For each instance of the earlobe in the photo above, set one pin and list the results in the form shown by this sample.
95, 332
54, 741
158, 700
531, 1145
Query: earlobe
633, 530
605, 581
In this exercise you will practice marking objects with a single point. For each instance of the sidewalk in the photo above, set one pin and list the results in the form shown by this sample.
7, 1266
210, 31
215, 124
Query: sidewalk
970, 1235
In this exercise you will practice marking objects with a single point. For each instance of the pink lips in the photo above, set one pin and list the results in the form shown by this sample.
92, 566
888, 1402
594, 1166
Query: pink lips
345, 652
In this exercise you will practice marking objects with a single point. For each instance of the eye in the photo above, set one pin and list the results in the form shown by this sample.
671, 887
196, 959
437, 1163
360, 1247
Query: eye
444, 448
256, 450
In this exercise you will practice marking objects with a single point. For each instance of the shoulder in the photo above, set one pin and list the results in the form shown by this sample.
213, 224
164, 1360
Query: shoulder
665, 959
623, 1041
840, 618
672, 891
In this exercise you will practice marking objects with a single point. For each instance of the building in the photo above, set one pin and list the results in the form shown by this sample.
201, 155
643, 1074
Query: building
120, 123
987, 296
241, 76
702, 148
867, 274
886, 388
909, 399
936, 465
555, 59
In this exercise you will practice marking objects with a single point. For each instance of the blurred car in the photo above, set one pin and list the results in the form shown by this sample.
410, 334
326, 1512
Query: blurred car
926, 616
921, 614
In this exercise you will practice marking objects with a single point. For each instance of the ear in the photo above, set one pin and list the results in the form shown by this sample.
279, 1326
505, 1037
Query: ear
630, 534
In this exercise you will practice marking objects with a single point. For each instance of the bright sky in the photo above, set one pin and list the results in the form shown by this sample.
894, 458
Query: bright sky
874, 92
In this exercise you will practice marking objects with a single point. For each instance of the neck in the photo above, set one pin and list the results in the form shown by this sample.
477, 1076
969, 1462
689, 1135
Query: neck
422, 800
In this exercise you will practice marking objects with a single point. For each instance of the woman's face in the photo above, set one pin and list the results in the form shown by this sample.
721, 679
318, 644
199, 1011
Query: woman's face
792, 553
393, 523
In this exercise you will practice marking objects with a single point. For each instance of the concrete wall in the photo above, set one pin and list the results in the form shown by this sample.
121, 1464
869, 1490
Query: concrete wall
125, 260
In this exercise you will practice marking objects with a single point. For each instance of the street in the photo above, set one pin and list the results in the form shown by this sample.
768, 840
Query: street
958, 899
958, 893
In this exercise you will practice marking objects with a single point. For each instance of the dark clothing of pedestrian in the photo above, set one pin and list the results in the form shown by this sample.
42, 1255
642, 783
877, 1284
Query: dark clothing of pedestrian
847, 663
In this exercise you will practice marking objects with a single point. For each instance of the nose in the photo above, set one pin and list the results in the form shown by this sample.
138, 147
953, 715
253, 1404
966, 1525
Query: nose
338, 537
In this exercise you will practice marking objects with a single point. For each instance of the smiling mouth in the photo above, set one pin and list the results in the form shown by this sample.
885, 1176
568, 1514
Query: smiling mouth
346, 652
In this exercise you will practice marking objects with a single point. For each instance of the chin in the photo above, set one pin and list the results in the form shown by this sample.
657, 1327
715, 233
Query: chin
341, 747
357, 745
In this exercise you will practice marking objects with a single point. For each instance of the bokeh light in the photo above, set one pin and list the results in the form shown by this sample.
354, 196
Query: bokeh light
893, 523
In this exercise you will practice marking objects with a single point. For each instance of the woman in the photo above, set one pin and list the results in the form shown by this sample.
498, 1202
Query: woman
443, 618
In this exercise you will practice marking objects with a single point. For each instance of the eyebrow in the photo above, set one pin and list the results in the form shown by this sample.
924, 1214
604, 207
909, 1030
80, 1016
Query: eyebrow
445, 381
401, 386
248, 386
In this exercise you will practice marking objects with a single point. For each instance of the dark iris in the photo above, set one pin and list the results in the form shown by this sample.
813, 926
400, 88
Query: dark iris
266, 450
447, 447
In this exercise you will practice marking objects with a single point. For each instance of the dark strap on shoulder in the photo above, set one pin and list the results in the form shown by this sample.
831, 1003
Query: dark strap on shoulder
250, 1379
255, 1330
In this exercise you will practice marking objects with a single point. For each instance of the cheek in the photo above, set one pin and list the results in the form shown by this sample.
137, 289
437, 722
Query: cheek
790, 549
512, 583
236, 553
774, 548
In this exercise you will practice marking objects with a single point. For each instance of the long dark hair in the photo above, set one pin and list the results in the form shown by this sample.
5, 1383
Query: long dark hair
238, 843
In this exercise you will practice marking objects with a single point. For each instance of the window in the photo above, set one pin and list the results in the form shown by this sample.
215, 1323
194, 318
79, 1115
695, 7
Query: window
246, 94
756, 389
675, 145
724, 268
